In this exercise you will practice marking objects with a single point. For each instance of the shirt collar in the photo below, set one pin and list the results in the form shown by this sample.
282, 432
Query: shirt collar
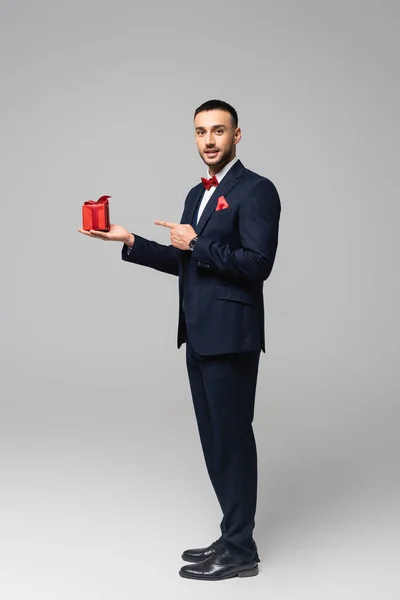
223, 171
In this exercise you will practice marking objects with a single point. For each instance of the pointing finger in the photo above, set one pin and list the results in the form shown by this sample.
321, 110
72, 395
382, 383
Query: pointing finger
166, 224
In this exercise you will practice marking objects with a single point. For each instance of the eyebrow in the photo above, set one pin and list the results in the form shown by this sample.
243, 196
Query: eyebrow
213, 127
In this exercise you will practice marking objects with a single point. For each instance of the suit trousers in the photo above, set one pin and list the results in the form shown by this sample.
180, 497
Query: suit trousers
223, 388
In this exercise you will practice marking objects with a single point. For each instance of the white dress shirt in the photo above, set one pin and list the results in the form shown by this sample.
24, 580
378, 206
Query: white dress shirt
208, 193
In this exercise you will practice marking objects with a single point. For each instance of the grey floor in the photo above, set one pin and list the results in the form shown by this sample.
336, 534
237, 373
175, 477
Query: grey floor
97, 503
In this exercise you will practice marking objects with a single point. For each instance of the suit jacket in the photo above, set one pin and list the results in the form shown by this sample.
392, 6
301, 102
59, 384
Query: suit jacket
221, 305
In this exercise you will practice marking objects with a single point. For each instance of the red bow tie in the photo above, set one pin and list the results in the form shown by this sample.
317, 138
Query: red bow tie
208, 183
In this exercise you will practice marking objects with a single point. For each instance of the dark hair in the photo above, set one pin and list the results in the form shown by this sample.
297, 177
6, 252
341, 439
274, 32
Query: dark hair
218, 105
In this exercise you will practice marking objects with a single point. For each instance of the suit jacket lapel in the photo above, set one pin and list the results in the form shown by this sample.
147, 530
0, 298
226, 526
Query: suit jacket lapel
191, 211
227, 183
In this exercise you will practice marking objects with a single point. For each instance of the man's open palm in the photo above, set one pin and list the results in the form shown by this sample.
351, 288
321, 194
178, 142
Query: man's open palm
116, 234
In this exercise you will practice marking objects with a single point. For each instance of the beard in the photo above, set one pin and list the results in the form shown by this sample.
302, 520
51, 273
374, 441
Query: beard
221, 160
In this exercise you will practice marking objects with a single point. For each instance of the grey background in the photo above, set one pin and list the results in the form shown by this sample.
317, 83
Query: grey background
103, 483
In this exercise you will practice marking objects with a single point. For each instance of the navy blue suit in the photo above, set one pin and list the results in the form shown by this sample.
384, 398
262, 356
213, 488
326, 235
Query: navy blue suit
221, 319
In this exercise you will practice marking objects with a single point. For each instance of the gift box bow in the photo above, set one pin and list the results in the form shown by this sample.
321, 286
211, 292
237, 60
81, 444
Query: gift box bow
101, 200
222, 203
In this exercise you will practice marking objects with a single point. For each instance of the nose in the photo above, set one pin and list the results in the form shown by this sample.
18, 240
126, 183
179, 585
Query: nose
210, 139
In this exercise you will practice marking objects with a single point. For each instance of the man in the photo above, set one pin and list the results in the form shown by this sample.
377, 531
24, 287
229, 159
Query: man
222, 258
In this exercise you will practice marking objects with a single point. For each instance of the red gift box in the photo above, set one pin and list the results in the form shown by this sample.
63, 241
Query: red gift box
96, 215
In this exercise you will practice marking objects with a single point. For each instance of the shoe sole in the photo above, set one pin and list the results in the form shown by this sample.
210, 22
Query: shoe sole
242, 573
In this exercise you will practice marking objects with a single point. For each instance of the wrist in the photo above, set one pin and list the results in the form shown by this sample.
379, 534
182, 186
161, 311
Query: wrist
192, 243
130, 240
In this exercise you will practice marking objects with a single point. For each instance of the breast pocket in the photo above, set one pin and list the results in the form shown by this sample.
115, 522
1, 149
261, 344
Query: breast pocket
221, 213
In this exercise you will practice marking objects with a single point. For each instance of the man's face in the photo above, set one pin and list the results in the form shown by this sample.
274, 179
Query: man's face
216, 138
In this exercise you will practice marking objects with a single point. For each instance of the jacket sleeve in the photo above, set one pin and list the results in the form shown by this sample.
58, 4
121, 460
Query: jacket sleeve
259, 214
152, 254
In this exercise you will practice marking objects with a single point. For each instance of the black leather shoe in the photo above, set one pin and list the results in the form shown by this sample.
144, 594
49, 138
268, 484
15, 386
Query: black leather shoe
198, 554
223, 564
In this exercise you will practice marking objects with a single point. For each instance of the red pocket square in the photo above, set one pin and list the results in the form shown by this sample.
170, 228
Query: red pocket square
222, 203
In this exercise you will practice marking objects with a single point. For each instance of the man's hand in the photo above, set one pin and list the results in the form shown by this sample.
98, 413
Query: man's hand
180, 234
116, 234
